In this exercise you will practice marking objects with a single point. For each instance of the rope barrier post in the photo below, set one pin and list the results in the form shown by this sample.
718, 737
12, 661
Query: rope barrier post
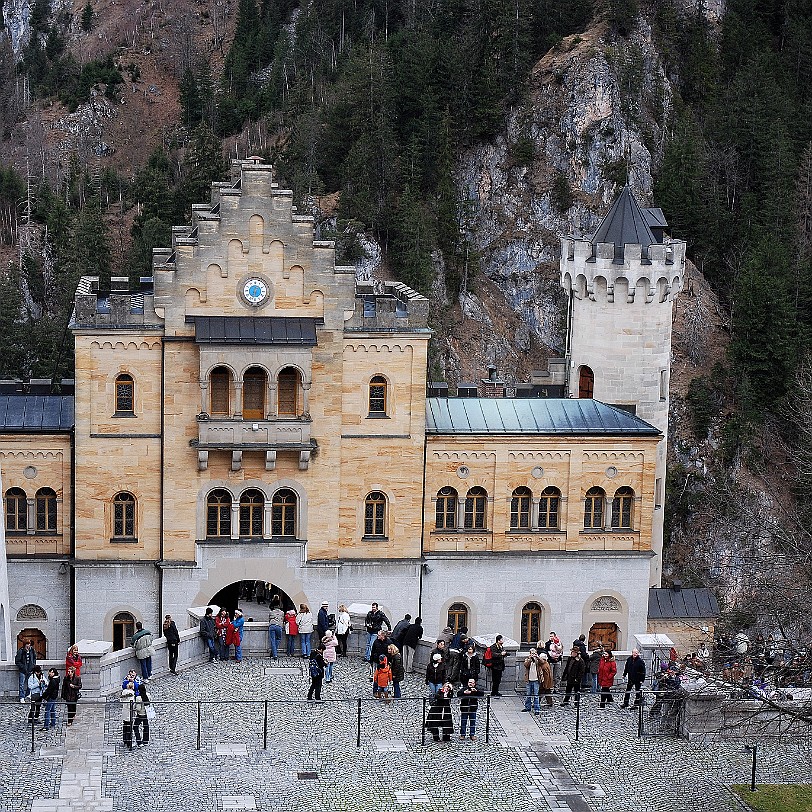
199, 703
32, 728
358, 727
487, 720
577, 717
265, 728
423, 726
640, 721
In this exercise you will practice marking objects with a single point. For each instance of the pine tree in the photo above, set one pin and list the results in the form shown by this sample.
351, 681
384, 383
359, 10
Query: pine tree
87, 17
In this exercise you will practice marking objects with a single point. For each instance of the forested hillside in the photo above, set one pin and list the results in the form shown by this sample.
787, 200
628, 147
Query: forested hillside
447, 143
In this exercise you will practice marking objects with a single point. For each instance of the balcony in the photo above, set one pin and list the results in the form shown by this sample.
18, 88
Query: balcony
289, 434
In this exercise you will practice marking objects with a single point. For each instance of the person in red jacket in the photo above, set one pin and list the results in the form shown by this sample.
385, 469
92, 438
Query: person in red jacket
74, 660
607, 669
222, 626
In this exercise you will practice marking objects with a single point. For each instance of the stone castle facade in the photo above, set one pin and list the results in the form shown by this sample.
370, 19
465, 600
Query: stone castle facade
255, 413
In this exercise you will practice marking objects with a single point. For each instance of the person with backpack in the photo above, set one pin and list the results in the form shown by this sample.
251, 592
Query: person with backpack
495, 662
316, 671
469, 702
49, 697
208, 631
36, 687
410, 639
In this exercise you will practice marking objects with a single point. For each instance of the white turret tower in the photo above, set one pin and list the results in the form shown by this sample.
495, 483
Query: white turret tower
621, 284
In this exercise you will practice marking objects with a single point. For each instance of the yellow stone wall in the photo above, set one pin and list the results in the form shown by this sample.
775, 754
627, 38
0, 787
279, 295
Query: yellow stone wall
50, 456
500, 464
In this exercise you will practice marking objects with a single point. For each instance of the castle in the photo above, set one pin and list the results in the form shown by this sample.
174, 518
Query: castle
255, 412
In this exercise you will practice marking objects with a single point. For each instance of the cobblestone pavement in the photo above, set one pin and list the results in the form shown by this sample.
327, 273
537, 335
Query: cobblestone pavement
312, 762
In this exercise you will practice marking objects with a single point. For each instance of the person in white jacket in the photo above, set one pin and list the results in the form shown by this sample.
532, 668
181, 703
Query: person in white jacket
304, 620
343, 628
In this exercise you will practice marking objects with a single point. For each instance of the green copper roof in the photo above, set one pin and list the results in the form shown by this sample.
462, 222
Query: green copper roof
565, 416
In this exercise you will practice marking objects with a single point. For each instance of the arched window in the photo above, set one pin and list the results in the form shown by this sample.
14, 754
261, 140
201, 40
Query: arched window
375, 514
219, 392
531, 624
254, 384
593, 509
46, 510
548, 508
123, 629
287, 392
283, 513
125, 395
252, 508
586, 382
622, 509
377, 395
520, 509
16, 510
457, 616
446, 512
124, 516
476, 501
218, 514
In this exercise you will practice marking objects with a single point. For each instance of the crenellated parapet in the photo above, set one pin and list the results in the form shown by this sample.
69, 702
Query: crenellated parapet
118, 308
652, 273
389, 306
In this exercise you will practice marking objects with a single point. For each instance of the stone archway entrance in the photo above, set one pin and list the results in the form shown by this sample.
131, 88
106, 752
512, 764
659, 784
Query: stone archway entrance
37, 640
253, 597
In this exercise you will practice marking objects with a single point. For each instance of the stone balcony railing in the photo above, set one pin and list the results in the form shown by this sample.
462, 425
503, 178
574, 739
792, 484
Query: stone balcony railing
459, 541
37, 544
269, 436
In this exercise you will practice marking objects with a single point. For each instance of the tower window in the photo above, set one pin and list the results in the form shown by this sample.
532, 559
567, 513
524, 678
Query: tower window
593, 509
123, 516
46, 510
548, 508
446, 509
283, 513
586, 382
16, 510
622, 509
476, 501
375, 514
125, 395
520, 509
252, 507
377, 395
218, 514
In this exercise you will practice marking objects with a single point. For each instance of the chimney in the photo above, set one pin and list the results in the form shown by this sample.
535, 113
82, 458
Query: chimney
676, 586
492, 386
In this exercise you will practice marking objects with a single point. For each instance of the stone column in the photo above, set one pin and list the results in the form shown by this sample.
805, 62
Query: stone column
235, 521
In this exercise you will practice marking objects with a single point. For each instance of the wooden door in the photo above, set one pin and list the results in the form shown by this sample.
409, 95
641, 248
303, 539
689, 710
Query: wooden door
605, 633
37, 640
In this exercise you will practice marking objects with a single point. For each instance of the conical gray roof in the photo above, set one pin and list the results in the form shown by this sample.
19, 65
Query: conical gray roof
625, 224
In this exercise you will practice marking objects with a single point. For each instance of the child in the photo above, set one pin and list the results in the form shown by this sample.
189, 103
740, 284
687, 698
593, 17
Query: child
128, 713
383, 680
468, 708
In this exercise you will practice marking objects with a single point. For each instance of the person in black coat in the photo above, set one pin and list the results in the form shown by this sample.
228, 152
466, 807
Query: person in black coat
172, 637
323, 620
438, 719
573, 675
409, 640
469, 665
635, 672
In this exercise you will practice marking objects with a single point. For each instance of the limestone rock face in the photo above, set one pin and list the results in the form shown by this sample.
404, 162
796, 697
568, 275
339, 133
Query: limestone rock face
595, 106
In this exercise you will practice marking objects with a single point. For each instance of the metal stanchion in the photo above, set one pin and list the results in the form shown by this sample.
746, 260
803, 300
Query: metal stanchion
640, 721
265, 729
32, 735
423, 726
358, 736
577, 717
487, 720
199, 703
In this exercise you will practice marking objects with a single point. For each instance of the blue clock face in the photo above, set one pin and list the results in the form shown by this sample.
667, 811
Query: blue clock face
255, 291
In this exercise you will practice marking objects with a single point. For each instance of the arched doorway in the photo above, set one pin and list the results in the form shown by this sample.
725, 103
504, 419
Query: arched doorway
37, 640
606, 633
252, 597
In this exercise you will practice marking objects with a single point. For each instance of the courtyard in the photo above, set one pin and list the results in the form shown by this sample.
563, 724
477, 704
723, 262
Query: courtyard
262, 746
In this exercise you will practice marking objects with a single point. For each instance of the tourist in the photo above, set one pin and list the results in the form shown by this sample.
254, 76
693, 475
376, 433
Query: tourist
607, 670
291, 632
140, 706
555, 656
410, 639
237, 628
580, 644
458, 644
470, 666
25, 660
276, 619
74, 660
208, 631
261, 591
49, 697
546, 679
316, 671
71, 687
400, 627
469, 702
634, 672
142, 643
396, 664
127, 698
131, 677
496, 663
573, 676
36, 687
446, 635
172, 637
435, 674
441, 649
343, 629
439, 720
594, 664
373, 623
304, 622
323, 620
222, 625
532, 670
379, 648
329, 643
382, 688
